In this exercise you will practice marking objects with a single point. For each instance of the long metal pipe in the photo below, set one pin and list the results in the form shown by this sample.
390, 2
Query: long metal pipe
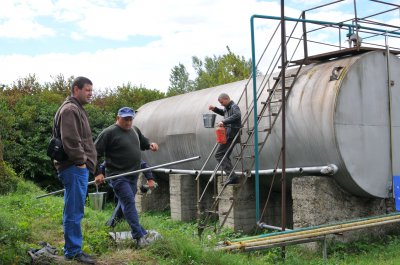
129, 173
264, 225
312, 232
255, 113
320, 22
283, 119
331, 3
382, 2
292, 242
305, 229
390, 103
330, 169
244, 245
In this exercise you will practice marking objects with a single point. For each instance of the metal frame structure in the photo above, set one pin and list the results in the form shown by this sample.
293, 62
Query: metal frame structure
355, 29
282, 59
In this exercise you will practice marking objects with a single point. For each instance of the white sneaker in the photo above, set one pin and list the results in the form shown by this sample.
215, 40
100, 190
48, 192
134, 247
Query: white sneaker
153, 235
142, 242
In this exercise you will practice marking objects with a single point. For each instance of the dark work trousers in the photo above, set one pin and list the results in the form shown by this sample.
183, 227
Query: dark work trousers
117, 214
226, 165
125, 189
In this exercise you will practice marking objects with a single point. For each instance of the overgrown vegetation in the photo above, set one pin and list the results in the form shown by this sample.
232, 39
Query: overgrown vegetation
25, 220
213, 71
8, 178
27, 109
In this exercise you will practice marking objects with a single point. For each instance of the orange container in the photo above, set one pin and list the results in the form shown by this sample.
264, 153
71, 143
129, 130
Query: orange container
220, 134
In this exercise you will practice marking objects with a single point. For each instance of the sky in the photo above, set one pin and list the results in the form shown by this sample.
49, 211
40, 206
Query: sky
115, 42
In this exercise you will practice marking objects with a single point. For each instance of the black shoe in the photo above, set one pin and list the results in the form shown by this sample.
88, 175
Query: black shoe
231, 180
82, 257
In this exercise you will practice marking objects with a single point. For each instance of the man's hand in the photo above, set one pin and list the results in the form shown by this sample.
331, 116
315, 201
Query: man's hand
151, 183
99, 179
211, 107
153, 147
220, 124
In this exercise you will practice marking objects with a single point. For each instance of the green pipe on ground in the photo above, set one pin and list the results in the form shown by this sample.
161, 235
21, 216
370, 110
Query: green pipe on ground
313, 227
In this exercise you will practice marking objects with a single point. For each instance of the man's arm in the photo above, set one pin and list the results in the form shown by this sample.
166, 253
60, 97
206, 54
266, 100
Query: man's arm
235, 117
70, 124
147, 174
100, 145
144, 142
216, 110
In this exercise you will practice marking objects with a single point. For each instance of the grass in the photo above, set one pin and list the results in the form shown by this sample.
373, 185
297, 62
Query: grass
25, 220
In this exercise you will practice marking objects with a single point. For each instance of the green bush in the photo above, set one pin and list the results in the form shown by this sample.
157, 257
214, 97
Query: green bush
28, 109
8, 178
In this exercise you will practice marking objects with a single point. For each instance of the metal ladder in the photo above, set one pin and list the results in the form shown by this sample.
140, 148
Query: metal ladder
268, 114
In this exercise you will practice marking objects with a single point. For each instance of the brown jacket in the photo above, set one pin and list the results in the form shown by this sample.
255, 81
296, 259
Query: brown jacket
76, 136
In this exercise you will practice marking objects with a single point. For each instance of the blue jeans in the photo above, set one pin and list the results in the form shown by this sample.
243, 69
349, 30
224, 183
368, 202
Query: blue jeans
75, 182
125, 189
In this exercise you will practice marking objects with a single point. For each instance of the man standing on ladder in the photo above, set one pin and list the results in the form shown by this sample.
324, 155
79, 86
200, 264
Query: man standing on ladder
232, 122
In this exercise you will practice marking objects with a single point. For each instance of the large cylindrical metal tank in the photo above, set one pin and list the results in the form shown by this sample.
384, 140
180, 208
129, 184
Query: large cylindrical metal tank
339, 112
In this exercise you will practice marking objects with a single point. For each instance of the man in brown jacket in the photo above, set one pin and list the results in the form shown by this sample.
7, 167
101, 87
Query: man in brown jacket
72, 122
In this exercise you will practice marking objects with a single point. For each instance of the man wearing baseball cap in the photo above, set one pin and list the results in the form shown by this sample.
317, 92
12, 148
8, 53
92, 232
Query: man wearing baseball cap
121, 145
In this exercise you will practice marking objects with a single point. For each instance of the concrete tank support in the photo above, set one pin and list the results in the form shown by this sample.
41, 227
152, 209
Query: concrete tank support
319, 200
182, 197
243, 213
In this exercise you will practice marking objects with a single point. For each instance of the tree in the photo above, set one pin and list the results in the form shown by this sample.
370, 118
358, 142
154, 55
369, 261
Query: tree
1, 150
180, 82
220, 70
126, 95
60, 85
214, 71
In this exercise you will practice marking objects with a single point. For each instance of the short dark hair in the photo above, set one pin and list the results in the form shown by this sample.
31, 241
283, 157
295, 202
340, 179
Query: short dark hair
223, 96
80, 81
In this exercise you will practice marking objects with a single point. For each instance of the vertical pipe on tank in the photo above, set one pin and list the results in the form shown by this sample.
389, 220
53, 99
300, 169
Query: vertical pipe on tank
283, 62
303, 16
358, 44
355, 13
256, 162
390, 111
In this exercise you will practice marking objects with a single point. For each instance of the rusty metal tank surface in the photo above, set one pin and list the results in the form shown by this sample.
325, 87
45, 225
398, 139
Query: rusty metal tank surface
337, 112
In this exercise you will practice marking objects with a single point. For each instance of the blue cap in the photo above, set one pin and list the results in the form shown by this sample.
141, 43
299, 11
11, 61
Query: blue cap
126, 112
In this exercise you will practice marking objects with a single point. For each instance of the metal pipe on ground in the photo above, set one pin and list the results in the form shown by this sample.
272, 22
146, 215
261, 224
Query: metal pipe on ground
130, 173
288, 240
264, 225
319, 228
295, 235
312, 227
282, 244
